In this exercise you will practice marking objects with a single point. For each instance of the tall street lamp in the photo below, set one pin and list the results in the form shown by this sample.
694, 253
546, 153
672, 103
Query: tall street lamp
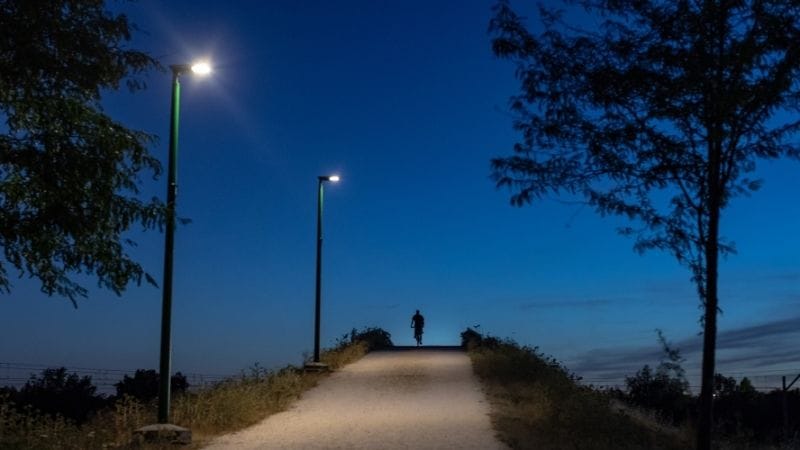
201, 68
321, 179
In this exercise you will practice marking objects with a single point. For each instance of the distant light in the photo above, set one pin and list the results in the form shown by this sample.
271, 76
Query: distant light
334, 178
201, 68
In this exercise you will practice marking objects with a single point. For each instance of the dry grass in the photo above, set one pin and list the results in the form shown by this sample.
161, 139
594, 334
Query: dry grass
241, 402
231, 405
344, 354
537, 404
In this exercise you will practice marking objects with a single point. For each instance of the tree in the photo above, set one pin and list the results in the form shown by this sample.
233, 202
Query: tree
746, 387
660, 392
658, 115
69, 173
143, 385
741, 410
666, 390
59, 393
724, 386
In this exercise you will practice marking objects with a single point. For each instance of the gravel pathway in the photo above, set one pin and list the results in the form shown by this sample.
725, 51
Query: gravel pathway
416, 399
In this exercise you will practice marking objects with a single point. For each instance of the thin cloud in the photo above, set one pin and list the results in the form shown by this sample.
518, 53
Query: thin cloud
771, 333
772, 357
762, 345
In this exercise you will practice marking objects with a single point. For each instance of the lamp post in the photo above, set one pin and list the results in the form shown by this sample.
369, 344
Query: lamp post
321, 180
166, 304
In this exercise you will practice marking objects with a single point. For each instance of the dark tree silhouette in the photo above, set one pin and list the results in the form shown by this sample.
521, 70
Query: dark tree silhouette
58, 393
143, 385
665, 389
375, 338
659, 391
69, 173
659, 115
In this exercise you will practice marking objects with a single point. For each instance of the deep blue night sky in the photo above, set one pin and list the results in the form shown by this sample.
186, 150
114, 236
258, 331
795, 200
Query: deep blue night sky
406, 101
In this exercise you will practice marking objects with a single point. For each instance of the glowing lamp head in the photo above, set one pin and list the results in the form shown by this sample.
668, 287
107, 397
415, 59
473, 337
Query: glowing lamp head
334, 178
201, 68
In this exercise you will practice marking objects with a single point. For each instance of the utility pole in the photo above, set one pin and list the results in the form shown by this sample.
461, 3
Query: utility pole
786, 404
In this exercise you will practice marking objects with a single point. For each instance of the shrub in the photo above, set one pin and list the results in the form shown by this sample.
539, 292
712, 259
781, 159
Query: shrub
664, 391
659, 392
143, 385
375, 338
57, 393
470, 339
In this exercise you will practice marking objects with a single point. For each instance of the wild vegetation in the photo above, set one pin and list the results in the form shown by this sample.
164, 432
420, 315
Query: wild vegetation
227, 406
538, 403
744, 417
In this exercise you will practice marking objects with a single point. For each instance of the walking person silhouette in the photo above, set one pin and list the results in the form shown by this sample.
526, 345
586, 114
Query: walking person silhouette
418, 322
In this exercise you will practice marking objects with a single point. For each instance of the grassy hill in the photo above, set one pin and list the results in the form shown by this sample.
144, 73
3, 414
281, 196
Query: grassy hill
538, 404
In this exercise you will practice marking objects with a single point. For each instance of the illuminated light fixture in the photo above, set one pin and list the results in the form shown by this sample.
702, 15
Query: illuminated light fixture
201, 68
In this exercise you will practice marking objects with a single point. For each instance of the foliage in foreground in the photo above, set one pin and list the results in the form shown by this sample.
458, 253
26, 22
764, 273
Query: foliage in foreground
70, 174
538, 404
227, 406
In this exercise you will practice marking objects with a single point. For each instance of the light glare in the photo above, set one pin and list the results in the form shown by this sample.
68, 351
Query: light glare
334, 178
201, 68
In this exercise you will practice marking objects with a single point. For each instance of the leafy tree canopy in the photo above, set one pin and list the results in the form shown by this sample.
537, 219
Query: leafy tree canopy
625, 115
69, 173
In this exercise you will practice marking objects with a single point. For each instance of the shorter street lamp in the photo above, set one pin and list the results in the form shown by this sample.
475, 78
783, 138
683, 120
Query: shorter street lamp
321, 180
200, 68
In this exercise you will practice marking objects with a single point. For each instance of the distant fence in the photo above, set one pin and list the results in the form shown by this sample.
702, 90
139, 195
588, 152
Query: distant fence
762, 380
17, 374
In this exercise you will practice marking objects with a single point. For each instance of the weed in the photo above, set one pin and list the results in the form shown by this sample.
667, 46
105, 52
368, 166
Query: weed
538, 404
227, 406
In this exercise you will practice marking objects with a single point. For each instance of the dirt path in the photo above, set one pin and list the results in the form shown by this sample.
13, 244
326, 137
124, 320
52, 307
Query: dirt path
416, 399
